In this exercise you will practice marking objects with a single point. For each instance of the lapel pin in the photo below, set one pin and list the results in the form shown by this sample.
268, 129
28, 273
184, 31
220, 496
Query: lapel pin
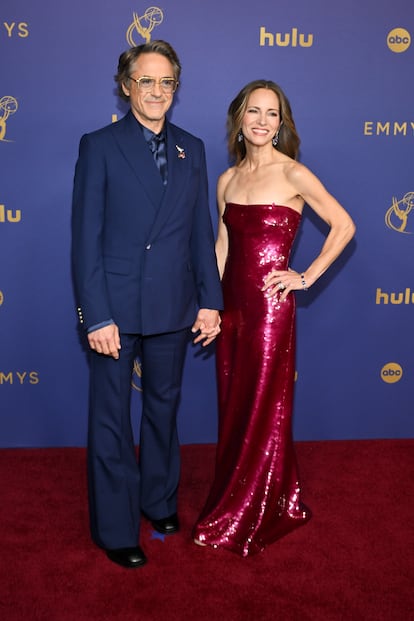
181, 152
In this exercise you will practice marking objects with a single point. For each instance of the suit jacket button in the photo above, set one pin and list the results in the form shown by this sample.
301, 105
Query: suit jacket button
148, 247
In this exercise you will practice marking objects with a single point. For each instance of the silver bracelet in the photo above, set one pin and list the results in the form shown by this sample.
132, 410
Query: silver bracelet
304, 287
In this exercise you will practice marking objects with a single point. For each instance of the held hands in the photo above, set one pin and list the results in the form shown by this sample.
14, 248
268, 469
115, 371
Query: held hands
106, 341
284, 281
207, 324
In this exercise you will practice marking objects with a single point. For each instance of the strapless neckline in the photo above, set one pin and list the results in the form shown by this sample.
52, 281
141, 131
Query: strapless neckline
250, 205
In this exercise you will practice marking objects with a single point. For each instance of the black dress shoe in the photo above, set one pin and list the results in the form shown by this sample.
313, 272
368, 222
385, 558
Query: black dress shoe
127, 557
168, 525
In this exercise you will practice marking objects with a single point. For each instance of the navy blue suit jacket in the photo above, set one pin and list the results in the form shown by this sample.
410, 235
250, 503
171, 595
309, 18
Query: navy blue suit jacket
143, 253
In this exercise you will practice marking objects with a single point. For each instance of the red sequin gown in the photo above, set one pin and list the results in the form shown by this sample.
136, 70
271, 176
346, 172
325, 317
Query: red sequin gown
255, 496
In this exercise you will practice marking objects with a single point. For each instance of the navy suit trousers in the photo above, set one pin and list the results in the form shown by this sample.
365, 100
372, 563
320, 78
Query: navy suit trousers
120, 485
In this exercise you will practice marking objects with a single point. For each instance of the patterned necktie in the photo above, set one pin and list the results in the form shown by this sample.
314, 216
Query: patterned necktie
158, 149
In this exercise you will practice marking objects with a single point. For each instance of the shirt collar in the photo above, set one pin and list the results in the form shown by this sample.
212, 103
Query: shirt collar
149, 134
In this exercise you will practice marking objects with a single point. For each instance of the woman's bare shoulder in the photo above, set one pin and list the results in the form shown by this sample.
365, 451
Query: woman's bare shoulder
227, 175
295, 171
225, 179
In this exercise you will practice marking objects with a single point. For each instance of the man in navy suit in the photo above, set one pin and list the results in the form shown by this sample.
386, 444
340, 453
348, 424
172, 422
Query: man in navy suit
145, 272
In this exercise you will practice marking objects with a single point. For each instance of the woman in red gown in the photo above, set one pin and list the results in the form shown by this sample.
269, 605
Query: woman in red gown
255, 495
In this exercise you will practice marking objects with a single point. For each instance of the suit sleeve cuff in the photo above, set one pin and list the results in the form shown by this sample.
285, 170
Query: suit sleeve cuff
108, 322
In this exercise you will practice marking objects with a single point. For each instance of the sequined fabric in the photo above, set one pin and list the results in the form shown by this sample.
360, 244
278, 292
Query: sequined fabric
255, 496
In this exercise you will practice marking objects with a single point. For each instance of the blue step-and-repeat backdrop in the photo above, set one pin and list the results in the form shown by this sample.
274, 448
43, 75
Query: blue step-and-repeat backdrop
347, 69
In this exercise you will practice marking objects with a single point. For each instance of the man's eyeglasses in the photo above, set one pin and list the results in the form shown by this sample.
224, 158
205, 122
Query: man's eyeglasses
146, 84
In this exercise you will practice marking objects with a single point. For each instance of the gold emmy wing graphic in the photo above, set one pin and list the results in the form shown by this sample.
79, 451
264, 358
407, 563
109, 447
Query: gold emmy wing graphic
144, 25
138, 372
8, 106
396, 217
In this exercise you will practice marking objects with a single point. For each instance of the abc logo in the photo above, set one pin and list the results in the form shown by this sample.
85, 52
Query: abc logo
398, 40
391, 373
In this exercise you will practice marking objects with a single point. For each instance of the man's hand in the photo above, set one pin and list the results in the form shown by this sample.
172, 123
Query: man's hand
208, 324
106, 341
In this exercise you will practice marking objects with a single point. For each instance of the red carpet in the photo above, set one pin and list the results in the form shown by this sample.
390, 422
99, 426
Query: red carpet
353, 562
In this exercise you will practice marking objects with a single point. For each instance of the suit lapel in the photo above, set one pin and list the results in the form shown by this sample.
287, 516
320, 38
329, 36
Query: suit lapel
134, 148
178, 173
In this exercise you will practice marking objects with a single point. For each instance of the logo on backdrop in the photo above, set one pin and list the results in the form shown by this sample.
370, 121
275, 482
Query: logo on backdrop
143, 26
8, 106
402, 297
391, 372
398, 40
19, 377
137, 371
21, 29
388, 128
7, 215
1, 298
287, 39
396, 217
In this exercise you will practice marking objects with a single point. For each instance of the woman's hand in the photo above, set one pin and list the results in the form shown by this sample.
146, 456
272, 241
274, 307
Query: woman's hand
283, 282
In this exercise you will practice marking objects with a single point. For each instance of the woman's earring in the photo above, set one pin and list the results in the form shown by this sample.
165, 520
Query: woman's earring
240, 136
275, 139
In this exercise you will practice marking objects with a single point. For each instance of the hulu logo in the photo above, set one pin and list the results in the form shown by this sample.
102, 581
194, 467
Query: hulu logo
292, 39
403, 297
7, 215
